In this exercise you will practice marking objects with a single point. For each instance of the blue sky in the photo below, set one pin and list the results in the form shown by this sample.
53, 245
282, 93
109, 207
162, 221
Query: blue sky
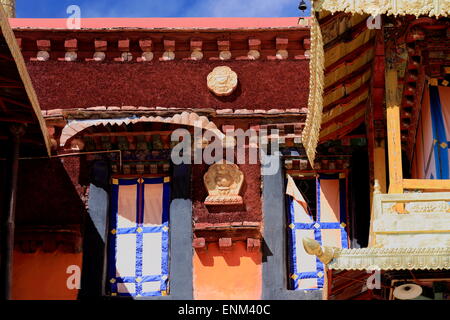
159, 8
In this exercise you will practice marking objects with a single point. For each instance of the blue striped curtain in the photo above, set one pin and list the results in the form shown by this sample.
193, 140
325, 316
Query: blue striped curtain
307, 272
139, 237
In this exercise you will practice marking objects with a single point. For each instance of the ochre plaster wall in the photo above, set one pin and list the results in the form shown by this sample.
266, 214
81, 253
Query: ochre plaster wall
233, 275
42, 276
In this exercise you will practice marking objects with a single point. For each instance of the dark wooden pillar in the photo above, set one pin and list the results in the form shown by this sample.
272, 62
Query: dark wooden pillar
8, 224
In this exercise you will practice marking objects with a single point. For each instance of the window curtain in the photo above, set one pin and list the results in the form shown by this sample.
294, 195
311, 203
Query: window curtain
431, 157
329, 229
139, 237
440, 130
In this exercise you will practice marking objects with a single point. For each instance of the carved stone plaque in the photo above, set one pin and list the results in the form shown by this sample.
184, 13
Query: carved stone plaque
223, 181
222, 81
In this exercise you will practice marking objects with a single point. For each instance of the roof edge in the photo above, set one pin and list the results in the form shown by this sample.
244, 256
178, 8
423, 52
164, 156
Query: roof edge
184, 24
23, 72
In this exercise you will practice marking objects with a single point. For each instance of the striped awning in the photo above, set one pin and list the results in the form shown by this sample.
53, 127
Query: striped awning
342, 53
347, 73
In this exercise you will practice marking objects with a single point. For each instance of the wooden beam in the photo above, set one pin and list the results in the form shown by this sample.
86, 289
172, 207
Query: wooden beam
347, 99
341, 117
351, 33
331, 17
349, 57
349, 78
426, 184
345, 128
393, 133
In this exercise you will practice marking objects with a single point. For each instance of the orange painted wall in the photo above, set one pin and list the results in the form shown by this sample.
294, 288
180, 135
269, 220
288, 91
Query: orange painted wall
42, 276
226, 276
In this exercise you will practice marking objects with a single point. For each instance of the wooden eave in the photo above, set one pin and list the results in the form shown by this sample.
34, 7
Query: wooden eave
18, 101
349, 53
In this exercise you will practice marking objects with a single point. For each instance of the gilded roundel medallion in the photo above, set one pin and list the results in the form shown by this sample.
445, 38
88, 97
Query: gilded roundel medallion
222, 81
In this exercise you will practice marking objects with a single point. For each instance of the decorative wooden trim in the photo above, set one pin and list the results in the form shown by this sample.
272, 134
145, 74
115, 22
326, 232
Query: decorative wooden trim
185, 118
311, 133
380, 258
390, 7
426, 184
128, 133
391, 259
143, 45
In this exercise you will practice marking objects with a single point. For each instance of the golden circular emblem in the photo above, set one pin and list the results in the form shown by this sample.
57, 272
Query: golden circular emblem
222, 81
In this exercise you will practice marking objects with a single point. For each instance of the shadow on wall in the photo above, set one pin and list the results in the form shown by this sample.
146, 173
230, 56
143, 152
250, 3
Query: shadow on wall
49, 196
49, 193
228, 276
232, 258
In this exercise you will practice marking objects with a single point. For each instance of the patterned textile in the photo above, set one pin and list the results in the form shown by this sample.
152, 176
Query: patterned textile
139, 237
307, 272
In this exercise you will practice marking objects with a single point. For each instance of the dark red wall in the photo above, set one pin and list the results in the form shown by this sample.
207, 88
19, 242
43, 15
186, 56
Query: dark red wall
50, 192
173, 84
251, 193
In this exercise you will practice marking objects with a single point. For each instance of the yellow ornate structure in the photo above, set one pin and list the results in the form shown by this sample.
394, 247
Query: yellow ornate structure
319, 59
409, 231
380, 258
418, 238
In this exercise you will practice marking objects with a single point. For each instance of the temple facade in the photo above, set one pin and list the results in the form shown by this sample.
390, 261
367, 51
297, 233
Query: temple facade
227, 158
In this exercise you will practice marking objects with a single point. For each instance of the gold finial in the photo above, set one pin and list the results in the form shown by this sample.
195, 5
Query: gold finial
325, 254
10, 7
